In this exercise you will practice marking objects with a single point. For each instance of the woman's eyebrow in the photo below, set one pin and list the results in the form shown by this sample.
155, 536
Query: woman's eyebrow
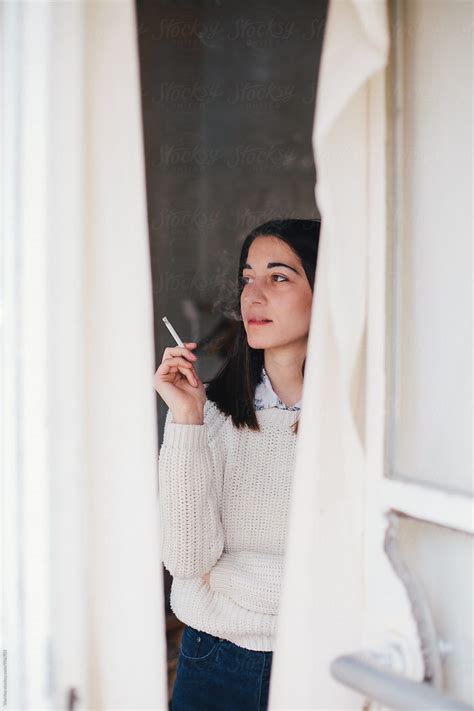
272, 264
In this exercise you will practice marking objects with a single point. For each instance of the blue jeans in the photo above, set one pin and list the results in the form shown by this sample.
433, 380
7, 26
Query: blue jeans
214, 674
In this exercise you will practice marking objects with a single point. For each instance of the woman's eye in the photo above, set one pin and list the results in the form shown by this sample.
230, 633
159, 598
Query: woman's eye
281, 276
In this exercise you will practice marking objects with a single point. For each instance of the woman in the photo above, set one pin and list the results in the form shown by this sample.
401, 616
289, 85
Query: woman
225, 471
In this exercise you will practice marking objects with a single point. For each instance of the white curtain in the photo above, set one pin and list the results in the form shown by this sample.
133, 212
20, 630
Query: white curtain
86, 586
322, 603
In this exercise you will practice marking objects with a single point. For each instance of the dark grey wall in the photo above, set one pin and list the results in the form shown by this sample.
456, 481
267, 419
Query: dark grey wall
228, 95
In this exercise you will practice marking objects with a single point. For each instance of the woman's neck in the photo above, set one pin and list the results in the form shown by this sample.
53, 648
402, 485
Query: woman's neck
284, 372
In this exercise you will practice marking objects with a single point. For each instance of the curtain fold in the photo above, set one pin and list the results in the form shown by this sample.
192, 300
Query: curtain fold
127, 662
322, 601
91, 610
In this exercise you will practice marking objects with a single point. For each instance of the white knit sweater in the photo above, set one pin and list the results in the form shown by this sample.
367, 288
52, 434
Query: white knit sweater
224, 499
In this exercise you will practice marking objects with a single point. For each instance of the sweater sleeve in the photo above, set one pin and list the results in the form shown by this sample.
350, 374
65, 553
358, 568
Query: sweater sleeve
252, 580
190, 467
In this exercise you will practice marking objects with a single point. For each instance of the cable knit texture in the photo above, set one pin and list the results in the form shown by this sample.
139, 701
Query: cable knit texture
224, 499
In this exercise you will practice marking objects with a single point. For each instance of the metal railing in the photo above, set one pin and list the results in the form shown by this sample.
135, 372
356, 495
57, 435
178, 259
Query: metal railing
390, 688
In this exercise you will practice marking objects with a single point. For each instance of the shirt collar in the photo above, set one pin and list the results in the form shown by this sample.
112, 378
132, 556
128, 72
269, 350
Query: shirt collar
265, 396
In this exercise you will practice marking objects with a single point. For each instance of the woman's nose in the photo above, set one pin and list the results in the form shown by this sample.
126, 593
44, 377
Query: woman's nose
255, 293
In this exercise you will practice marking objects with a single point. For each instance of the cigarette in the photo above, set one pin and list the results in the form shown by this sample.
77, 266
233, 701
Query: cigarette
173, 332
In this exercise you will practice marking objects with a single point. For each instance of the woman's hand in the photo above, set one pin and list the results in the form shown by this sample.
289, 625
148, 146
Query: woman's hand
206, 577
177, 382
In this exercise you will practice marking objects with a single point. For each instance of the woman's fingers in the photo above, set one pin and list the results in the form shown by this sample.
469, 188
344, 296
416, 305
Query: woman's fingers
175, 360
188, 373
174, 363
170, 352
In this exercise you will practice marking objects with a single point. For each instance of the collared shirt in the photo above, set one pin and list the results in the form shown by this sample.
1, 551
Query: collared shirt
265, 396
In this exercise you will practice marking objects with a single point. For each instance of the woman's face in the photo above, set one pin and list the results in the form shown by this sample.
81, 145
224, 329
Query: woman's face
279, 293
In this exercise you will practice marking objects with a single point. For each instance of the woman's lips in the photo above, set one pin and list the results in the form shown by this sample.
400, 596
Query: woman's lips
258, 323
